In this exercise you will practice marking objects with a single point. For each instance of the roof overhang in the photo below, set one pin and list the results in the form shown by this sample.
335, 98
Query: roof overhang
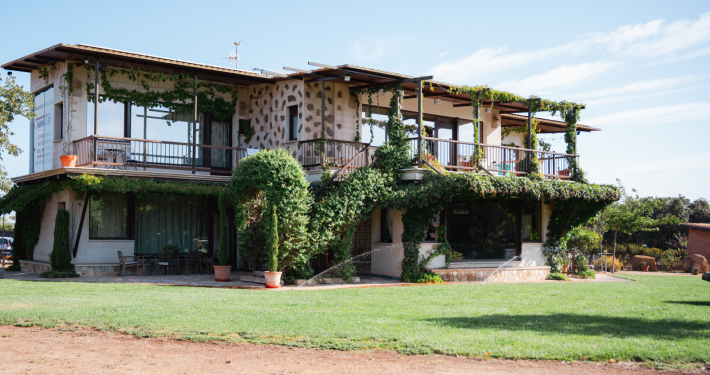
545, 125
122, 59
698, 226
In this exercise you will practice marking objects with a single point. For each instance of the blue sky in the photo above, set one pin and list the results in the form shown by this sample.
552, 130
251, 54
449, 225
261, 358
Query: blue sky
641, 67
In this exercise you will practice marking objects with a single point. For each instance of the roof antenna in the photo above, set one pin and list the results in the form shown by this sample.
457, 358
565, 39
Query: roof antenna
234, 56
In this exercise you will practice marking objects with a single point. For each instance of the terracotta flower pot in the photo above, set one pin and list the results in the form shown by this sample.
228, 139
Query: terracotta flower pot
564, 268
273, 279
68, 160
221, 273
644, 268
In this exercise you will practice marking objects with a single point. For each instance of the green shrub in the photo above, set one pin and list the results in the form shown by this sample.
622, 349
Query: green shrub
60, 258
588, 274
429, 278
556, 276
272, 241
171, 247
581, 264
58, 274
14, 267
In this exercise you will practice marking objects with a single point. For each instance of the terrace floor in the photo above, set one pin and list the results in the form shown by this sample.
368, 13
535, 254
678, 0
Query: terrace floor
207, 281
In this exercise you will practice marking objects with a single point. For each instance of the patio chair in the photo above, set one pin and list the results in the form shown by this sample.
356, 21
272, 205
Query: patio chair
164, 259
193, 258
130, 261
210, 260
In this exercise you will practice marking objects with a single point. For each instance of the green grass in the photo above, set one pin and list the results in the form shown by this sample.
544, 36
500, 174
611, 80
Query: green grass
656, 318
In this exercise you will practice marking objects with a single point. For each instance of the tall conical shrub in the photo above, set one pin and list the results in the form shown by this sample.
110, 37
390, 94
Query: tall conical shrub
272, 242
222, 255
61, 250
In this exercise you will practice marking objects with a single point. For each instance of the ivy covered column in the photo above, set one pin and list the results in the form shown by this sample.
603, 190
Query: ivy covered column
194, 125
420, 122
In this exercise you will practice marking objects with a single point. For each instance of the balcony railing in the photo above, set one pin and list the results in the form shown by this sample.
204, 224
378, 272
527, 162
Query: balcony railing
499, 160
124, 153
334, 153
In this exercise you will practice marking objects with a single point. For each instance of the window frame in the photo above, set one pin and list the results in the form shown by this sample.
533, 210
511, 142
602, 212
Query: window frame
383, 226
130, 220
292, 113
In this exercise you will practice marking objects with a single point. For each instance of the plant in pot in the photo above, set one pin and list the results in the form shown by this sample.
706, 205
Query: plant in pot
273, 276
66, 87
221, 271
565, 264
644, 266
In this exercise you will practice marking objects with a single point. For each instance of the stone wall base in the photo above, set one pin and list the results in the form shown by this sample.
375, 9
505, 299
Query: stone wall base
30, 266
503, 275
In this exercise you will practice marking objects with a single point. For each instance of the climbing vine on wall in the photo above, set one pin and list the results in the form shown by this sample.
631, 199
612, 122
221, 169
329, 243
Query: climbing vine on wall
177, 99
357, 92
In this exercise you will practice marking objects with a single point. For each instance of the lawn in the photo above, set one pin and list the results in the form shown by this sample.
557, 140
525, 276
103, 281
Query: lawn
655, 318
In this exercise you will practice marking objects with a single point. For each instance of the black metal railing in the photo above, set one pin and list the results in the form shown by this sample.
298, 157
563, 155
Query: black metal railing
124, 153
499, 160
333, 153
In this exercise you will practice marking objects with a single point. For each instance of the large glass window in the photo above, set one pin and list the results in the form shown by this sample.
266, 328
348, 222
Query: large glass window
293, 123
170, 219
531, 221
483, 230
112, 118
43, 131
374, 126
219, 137
109, 214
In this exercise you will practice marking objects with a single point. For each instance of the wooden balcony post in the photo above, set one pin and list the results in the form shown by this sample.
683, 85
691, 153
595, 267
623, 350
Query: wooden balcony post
322, 122
420, 122
194, 125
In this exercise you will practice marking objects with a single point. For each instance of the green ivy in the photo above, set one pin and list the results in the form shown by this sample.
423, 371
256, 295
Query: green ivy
178, 99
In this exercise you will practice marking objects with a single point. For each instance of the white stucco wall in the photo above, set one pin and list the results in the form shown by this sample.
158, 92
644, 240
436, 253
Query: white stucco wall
386, 258
532, 251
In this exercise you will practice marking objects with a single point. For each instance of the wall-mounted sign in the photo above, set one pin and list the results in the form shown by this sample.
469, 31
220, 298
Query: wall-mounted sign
459, 210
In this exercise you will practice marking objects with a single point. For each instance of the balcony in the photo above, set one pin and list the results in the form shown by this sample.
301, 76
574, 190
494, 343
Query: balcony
134, 153
498, 160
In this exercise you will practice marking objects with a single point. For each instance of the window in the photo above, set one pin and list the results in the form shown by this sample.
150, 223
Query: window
170, 219
386, 222
109, 216
42, 132
59, 121
293, 123
483, 230
530, 221
112, 118
374, 126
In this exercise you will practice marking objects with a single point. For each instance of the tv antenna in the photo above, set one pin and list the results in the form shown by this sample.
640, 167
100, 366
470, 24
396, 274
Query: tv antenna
234, 56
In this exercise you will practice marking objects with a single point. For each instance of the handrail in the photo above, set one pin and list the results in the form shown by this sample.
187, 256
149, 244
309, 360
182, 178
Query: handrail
333, 140
490, 145
155, 141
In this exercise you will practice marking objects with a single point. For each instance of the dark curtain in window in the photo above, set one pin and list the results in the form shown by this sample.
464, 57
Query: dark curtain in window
170, 219
108, 215
482, 230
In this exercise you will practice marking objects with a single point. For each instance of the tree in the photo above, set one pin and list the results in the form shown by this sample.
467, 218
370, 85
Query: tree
632, 214
60, 257
14, 101
272, 241
584, 239
222, 256
699, 211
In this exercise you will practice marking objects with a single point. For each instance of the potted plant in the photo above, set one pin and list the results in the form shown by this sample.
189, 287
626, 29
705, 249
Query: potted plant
644, 266
221, 271
273, 276
68, 160
565, 264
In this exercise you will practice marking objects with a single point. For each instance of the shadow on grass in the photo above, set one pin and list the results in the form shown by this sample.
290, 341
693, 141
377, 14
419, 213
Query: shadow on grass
694, 303
588, 325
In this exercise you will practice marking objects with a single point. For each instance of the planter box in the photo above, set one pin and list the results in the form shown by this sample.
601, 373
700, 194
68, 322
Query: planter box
325, 280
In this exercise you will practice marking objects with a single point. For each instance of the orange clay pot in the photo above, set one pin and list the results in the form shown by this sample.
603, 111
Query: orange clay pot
273, 279
221, 273
68, 160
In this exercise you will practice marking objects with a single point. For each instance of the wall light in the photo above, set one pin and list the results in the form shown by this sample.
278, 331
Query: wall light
86, 61
437, 101
347, 77
382, 91
9, 73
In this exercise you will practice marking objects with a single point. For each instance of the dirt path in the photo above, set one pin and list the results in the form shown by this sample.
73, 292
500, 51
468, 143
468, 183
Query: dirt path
50, 351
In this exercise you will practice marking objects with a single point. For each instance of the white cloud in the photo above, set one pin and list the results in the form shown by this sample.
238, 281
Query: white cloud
669, 114
371, 51
642, 86
653, 39
443, 54
488, 60
562, 77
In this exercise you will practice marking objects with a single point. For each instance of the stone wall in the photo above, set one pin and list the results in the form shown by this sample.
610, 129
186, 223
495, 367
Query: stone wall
29, 266
503, 275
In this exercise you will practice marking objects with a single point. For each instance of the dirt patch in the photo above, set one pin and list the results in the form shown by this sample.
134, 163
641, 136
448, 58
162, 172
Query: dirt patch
50, 351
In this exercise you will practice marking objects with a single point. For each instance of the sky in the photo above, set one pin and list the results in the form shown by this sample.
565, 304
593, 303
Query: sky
641, 68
